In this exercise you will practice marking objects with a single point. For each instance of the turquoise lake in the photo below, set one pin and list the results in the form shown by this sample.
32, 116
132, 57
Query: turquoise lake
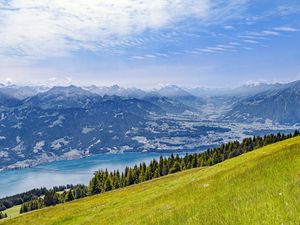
78, 171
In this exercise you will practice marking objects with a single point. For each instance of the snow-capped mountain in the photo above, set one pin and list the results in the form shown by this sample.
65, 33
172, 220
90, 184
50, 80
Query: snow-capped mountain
181, 95
240, 92
22, 92
169, 105
173, 91
254, 88
8, 101
170, 98
61, 97
70, 122
117, 90
280, 104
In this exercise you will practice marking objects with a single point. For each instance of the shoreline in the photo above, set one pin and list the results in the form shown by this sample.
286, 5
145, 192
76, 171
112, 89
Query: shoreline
34, 163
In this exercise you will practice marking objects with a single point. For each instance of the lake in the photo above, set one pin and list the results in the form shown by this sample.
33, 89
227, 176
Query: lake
78, 171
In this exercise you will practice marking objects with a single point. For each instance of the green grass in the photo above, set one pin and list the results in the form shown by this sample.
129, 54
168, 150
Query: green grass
13, 212
260, 187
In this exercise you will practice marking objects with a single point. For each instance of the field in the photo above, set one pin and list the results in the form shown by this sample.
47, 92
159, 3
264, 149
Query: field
13, 212
260, 187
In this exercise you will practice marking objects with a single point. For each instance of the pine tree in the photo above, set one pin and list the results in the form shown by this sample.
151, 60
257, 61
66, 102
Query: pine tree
108, 186
129, 178
175, 168
165, 168
161, 165
142, 176
148, 174
70, 196
156, 173
51, 198
24, 208
95, 185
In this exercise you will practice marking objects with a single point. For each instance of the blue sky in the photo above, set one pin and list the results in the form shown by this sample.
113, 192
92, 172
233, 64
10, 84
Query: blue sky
205, 43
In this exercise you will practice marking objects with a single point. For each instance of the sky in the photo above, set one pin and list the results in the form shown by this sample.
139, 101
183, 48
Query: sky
141, 43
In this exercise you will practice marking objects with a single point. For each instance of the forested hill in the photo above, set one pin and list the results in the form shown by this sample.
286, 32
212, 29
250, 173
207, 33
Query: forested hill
259, 187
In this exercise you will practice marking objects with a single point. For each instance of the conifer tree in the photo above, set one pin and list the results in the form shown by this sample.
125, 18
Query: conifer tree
175, 168
70, 196
95, 186
51, 198
129, 178
108, 186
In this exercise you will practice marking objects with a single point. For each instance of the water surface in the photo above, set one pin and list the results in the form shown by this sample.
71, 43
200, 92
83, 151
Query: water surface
78, 171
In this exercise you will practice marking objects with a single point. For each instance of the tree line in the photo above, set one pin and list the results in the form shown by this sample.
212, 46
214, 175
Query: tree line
18, 199
53, 197
104, 180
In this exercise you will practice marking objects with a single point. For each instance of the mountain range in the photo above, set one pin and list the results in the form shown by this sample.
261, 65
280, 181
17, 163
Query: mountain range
280, 104
40, 124
71, 122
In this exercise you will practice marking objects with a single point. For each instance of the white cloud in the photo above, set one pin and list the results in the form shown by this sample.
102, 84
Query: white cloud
216, 48
228, 27
54, 81
230, 45
137, 57
287, 9
234, 43
251, 37
287, 29
262, 34
250, 41
150, 56
161, 54
268, 32
8, 80
208, 50
57, 28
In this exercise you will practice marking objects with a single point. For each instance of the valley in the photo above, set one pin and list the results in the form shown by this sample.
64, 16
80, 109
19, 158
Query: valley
67, 123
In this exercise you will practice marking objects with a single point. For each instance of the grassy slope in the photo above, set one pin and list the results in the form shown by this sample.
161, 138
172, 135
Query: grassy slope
261, 187
13, 212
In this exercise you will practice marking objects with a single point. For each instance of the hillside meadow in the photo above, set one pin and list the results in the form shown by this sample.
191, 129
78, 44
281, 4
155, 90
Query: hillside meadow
259, 187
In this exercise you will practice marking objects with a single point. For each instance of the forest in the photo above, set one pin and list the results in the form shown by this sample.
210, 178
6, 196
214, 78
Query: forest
18, 199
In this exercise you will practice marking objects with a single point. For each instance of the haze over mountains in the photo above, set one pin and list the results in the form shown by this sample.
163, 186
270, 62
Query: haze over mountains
41, 124
280, 103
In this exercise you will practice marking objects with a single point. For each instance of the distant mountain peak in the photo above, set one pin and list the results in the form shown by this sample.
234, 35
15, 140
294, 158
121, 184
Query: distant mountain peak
280, 104
116, 90
115, 86
68, 90
173, 91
